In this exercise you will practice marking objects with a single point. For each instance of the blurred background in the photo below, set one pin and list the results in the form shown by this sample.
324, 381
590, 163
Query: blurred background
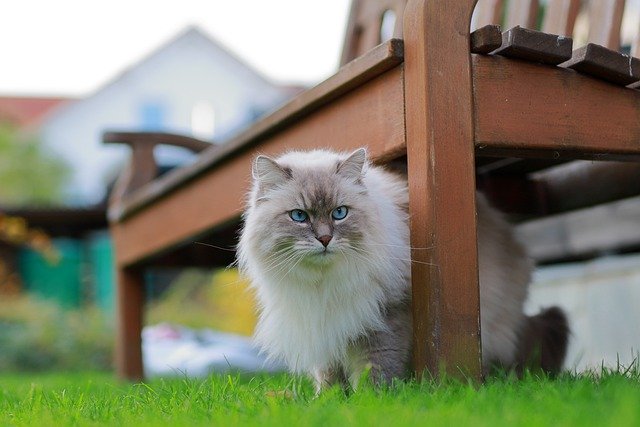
72, 69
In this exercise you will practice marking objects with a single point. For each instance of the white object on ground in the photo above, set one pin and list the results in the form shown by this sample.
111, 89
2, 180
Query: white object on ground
169, 350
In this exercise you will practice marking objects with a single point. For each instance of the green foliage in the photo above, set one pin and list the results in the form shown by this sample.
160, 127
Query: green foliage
38, 335
28, 174
609, 398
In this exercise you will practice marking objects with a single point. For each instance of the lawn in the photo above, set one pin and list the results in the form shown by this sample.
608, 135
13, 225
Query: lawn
611, 398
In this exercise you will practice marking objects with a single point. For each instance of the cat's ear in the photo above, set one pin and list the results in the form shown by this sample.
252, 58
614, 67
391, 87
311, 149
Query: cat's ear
269, 173
352, 166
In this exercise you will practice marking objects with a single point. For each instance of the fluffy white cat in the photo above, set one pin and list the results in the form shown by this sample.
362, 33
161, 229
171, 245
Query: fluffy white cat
326, 246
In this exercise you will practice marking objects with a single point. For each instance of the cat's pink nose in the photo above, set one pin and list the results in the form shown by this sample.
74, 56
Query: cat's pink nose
325, 239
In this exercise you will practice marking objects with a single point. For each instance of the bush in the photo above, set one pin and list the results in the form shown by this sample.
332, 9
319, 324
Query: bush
38, 335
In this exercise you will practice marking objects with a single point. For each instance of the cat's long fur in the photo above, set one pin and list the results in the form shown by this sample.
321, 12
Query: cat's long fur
331, 313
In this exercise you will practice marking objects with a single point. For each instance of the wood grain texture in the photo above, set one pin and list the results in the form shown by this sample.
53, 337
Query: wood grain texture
605, 64
486, 39
439, 126
523, 13
370, 115
605, 20
535, 46
560, 17
530, 110
350, 77
129, 307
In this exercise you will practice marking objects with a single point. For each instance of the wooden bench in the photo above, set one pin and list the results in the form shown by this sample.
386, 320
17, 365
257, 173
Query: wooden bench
436, 103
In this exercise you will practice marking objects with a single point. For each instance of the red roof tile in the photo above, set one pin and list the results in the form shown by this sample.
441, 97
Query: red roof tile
27, 111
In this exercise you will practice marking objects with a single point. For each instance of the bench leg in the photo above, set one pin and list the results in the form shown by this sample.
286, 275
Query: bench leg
129, 310
440, 158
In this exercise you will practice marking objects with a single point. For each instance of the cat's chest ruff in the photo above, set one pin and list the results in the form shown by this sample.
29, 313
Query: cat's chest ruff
329, 311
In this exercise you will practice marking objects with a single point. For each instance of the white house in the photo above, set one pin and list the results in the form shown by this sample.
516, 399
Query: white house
191, 86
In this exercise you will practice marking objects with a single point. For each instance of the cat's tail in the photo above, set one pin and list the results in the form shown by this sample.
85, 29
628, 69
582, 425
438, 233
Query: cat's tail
543, 341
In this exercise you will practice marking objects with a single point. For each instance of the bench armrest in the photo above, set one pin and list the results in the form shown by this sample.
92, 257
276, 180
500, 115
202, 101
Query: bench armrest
142, 167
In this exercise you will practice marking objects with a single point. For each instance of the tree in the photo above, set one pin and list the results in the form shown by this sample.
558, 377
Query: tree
29, 175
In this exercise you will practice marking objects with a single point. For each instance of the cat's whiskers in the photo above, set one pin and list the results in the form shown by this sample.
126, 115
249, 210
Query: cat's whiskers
215, 247
276, 256
293, 262
365, 252
402, 246
272, 266
282, 263
300, 258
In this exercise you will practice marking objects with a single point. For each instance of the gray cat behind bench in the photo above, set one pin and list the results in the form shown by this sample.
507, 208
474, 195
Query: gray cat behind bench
326, 247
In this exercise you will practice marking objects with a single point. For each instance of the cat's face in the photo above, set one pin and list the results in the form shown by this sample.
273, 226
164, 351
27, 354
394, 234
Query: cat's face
309, 212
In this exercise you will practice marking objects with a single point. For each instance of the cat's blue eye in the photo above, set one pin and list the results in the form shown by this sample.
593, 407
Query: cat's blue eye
340, 212
298, 215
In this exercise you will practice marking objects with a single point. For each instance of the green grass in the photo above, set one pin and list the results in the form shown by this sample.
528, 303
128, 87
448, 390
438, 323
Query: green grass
612, 398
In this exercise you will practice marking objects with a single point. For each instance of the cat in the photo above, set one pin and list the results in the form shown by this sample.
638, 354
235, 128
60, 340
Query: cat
325, 245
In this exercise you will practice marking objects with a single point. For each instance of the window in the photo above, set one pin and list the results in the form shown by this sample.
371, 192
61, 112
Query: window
203, 123
153, 116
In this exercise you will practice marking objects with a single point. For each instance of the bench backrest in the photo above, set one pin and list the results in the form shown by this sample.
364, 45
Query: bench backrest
597, 21
601, 18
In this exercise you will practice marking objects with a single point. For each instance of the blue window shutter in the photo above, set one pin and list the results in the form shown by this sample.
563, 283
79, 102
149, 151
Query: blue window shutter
153, 116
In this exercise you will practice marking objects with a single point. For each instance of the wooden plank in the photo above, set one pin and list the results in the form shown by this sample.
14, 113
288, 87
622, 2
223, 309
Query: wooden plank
580, 184
367, 116
531, 45
530, 110
487, 12
605, 20
355, 74
129, 304
442, 188
605, 64
560, 17
574, 185
523, 13
486, 39
154, 138
584, 233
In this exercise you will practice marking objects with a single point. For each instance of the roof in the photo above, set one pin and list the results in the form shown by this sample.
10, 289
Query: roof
27, 111
190, 32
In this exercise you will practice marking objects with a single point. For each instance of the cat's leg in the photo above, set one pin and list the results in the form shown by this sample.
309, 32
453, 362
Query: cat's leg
386, 354
326, 378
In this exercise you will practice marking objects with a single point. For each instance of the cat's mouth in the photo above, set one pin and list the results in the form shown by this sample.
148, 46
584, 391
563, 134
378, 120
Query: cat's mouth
321, 256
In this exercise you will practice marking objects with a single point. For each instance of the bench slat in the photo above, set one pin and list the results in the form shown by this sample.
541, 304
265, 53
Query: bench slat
522, 12
536, 46
560, 17
605, 20
486, 39
605, 64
